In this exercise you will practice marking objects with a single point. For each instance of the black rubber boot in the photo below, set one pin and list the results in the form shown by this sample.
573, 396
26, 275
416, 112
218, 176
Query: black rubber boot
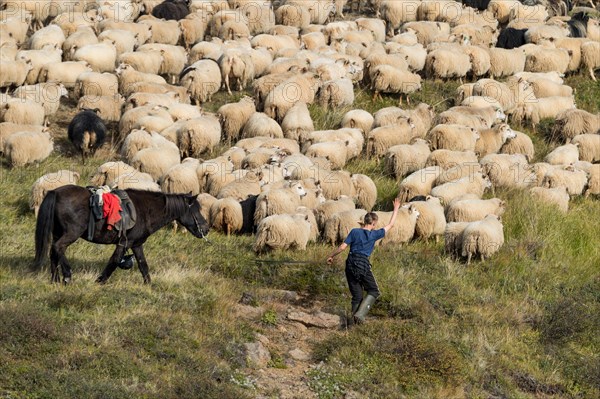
363, 309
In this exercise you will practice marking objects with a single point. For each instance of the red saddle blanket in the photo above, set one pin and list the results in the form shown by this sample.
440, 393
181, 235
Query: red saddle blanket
110, 209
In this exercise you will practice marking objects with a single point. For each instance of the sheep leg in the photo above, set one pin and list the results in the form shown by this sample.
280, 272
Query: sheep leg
228, 229
593, 76
400, 101
408, 99
138, 251
227, 84
482, 257
468, 258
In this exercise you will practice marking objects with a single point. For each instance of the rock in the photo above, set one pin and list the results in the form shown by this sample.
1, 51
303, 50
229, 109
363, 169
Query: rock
318, 319
256, 355
247, 299
299, 354
262, 339
249, 312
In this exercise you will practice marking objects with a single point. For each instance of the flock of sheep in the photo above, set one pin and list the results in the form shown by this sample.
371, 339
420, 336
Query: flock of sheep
150, 66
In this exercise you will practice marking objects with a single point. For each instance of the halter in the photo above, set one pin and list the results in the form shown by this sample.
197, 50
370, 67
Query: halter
198, 225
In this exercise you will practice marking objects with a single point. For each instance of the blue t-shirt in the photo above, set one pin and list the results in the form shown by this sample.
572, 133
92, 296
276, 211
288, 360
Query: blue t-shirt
362, 241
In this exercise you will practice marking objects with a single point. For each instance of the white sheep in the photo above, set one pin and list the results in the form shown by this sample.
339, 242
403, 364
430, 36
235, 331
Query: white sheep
431, 220
574, 179
404, 228
109, 107
338, 226
366, 191
418, 183
327, 209
547, 88
226, 215
198, 135
96, 84
336, 93
507, 170
548, 59
573, 122
297, 122
563, 155
446, 159
520, 144
202, 79
233, 117
23, 148
49, 36
590, 57
359, 119
558, 196
148, 62
453, 235
483, 238
260, 125
23, 112
165, 32
407, 158
475, 184
282, 232
389, 79
46, 94
101, 57
135, 181
447, 63
278, 201
453, 137
491, 140
382, 138
181, 178
156, 160
506, 62
14, 73
463, 169
334, 151
50, 181
593, 186
174, 58
395, 13
63, 72
588, 146
474, 209
236, 64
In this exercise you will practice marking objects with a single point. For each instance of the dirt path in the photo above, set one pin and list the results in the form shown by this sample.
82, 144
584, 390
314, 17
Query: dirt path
289, 332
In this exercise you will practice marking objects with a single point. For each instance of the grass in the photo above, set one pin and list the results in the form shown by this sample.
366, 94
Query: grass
520, 325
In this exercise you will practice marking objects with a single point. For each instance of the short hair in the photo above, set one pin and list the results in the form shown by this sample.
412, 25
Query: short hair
370, 218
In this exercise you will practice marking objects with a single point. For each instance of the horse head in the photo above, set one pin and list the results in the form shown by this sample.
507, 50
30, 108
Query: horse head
191, 218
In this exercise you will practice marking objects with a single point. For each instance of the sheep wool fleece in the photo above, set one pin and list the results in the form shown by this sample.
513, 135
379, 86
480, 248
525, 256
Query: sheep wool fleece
358, 268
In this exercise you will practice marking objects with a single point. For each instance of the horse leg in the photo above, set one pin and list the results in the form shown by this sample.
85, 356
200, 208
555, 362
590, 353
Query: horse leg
138, 251
57, 256
113, 262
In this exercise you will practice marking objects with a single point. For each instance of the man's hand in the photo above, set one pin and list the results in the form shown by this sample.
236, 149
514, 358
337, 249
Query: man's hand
396, 203
330, 260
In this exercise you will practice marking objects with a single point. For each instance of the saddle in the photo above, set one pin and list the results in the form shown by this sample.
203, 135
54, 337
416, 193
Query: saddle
123, 221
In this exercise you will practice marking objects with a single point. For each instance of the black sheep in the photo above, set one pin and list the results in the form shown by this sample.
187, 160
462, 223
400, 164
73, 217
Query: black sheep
477, 4
578, 24
510, 38
171, 10
248, 209
87, 132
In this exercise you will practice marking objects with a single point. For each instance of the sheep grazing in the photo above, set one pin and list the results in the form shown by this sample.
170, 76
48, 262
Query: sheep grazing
475, 184
407, 158
505, 62
573, 179
563, 155
108, 108
278, 201
404, 228
454, 137
589, 147
359, 119
573, 122
297, 123
590, 57
447, 63
492, 140
14, 73
453, 235
548, 59
593, 186
418, 183
46, 94
483, 238
547, 88
202, 79
431, 220
520, 144
558, 196
338, 226
109, 171
23, 112
510, 171
366, 191
474, 209
181, 179
446, 159
456, 172
327, 209
382, 138
336, 93
48, 182
198, 135
389, 79
226, 215
23, 148
233, 117
282, 232
87, 132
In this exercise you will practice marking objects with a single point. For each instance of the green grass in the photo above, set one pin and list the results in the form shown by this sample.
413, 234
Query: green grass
523, 324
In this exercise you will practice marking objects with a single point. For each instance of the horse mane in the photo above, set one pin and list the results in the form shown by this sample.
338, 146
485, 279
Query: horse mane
175, 205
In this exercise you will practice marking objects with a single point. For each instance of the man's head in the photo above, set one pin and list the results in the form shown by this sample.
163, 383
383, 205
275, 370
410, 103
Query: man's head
370, 219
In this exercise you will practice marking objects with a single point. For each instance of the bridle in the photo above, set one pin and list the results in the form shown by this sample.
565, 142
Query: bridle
198, 225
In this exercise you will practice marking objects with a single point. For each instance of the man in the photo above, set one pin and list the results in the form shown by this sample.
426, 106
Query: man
358, 268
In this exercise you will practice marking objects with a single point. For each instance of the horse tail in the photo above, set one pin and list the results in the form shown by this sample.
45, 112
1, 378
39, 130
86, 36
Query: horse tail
43, 229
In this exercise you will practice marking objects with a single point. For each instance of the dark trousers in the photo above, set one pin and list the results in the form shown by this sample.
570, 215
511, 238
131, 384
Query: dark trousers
360, 278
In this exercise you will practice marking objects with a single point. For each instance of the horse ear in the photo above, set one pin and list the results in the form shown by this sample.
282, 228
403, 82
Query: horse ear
191, 198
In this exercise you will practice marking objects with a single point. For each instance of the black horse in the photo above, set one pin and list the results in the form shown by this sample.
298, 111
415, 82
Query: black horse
64, 214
